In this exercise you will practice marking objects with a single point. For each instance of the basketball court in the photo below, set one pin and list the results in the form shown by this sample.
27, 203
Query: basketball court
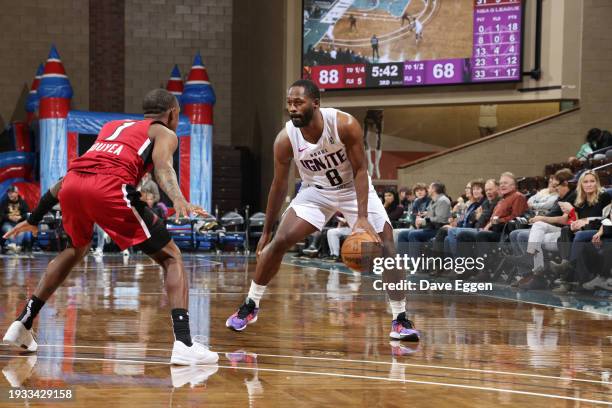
321, 340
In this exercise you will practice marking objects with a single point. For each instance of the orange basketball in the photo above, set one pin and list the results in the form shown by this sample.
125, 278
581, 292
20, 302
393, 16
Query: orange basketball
358, 251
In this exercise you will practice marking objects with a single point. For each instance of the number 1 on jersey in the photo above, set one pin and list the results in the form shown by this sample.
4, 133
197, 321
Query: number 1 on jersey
119, 129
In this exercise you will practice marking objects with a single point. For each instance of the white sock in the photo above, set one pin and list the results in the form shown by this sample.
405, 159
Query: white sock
397, 307
256, 292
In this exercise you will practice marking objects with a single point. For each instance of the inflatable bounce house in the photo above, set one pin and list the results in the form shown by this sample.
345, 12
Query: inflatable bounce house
63, 134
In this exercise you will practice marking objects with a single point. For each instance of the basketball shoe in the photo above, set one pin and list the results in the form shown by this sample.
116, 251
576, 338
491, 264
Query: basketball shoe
403, 329
196, 354
17, 335
247, 314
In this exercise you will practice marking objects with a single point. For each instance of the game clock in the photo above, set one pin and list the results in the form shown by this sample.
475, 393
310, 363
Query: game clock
494, 55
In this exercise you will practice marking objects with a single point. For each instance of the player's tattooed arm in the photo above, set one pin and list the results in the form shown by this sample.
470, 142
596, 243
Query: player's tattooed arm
166, 143
283, 153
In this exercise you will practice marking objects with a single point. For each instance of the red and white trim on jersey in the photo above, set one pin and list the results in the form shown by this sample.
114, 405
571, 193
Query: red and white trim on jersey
138, 217
144, 146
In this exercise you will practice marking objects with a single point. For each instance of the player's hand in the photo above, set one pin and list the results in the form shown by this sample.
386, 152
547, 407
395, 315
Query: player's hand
23, 226
185, 209
263, 241
363, 224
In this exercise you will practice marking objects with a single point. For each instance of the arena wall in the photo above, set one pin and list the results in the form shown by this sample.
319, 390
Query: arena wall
27, 29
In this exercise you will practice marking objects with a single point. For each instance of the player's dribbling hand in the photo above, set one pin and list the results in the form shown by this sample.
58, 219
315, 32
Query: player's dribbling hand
185, 209
363, 224
23, 226
263, 241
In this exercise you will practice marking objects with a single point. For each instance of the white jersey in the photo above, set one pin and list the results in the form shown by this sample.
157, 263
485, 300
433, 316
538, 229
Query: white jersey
324, 164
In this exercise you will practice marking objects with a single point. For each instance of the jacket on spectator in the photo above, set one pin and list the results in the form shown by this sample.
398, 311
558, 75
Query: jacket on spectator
469, 218
509, 207
542, 201
487, 212
556, 211
396, 213
419, 205
438, 212
594, 212
7, 208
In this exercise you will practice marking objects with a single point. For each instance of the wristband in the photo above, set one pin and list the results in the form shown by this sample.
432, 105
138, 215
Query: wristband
46, 203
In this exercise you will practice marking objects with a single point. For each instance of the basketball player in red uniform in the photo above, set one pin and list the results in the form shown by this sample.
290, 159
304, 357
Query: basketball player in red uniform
100, 188
327, 146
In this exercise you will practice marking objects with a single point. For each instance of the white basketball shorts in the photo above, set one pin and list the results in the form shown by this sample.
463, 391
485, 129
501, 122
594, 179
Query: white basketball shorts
317, 206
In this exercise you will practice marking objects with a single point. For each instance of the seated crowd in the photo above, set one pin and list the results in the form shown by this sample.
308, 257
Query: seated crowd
558, 238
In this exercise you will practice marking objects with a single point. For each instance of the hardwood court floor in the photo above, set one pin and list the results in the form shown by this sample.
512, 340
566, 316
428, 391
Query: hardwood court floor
321, 340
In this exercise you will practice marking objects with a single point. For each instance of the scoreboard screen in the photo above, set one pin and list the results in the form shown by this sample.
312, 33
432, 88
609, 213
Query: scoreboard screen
402, 43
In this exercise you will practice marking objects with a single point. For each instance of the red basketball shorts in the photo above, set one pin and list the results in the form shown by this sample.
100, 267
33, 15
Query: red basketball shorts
87, 198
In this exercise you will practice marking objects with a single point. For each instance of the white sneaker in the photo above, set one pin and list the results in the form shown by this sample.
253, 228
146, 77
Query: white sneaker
18, 336
193, 375
18, 370
598, 282
196, 354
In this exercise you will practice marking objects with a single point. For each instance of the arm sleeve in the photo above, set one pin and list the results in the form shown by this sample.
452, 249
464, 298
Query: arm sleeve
441, 211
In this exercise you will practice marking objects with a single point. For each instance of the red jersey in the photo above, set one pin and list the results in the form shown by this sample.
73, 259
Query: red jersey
122, 149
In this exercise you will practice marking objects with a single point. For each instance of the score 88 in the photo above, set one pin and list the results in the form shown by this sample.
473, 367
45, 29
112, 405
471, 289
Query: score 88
329, 76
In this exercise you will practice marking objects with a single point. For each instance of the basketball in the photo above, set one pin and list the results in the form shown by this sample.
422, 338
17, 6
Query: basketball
358, 250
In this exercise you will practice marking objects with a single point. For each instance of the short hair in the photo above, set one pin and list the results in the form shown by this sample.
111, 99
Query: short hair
419, 186
494, 181
310, 88
563, 175
439, 187
404, 190
158, 101
509, 175
477, 183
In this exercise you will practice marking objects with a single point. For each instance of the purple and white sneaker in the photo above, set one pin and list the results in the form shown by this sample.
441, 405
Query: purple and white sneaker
247, 314
403, 329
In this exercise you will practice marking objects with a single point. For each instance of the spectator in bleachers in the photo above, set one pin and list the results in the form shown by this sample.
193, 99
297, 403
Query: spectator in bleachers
333, 239
543, 235
555, 217
591, 144
418, 207
483, 215
591, 199
541, 202
391, 202
446, 244
437, 215
406, 197
14, 209
153, 203
594, 262
512, 205
421, 202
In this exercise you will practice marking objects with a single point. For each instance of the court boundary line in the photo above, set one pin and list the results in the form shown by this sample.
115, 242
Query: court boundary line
373, 362
339, 375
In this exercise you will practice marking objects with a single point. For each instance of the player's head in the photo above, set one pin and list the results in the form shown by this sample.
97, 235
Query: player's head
162, 105
303, 98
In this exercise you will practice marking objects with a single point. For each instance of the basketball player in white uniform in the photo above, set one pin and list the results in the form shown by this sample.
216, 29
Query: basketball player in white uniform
327, 146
